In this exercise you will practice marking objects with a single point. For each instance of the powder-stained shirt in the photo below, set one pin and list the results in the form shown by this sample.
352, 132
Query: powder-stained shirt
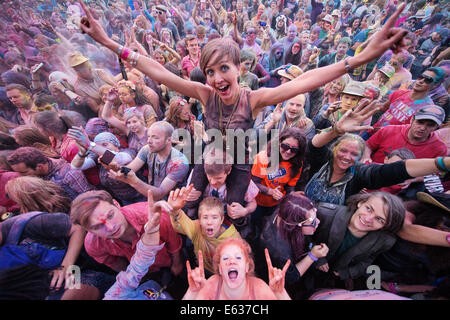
110, 251
175, 167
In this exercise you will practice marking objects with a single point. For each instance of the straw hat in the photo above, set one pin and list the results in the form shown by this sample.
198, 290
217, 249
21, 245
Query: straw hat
76, 59
441, 200
354, 88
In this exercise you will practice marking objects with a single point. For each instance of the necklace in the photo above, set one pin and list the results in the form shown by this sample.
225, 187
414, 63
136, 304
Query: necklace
223, 130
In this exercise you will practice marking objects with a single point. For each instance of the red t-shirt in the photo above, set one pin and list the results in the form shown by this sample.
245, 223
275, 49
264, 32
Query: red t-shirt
108, 251
187, 64
279, 177
390, 138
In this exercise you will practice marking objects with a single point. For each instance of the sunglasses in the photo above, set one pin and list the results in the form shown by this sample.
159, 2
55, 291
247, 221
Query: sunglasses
313, 222
154, 295
287, 147
251, 32
427, 79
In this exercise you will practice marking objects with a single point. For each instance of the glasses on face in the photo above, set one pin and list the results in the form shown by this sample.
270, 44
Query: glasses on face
251, 32
312, 223
287, 147
426, 78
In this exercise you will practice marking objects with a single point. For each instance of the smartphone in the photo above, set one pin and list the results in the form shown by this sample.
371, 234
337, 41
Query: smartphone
122, 70
107, 157
262, 23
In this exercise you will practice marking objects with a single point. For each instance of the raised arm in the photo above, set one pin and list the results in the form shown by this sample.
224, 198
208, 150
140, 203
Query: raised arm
107, 113
388, 37
146, 65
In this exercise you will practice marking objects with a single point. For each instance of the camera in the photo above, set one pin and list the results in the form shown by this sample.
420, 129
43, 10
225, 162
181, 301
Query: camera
125, 171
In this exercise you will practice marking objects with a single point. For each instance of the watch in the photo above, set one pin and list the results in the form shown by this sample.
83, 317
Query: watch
91, 145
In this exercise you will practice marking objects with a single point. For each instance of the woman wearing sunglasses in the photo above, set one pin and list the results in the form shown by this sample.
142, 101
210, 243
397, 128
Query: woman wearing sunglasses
287, 234
274, 185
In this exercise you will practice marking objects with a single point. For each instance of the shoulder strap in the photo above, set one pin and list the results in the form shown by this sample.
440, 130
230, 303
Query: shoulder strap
19, 224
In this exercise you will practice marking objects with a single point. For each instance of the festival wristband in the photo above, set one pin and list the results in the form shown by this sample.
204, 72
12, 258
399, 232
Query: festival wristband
312, 256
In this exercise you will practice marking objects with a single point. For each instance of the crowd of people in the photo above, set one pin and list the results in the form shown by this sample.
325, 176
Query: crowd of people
212, 149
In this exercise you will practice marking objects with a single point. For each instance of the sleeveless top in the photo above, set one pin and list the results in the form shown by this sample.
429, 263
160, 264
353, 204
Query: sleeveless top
240, 118
219, 288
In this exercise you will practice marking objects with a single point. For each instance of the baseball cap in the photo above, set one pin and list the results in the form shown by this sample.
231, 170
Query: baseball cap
76, 59
290, 72
355, 88
431, 112
387, 70
328, 18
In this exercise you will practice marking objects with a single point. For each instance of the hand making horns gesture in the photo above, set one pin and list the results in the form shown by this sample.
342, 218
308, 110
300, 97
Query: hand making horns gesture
196, 277
276, 276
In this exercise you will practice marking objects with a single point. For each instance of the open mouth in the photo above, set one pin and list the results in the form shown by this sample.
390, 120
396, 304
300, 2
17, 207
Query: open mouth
233, 274
210, 232
362, 221
223, 90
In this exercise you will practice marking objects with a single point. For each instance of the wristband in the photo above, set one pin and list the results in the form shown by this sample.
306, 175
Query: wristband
312, 256
119, 51
439, 162
125, 54
442, 164
82, 155
348, 68
154, 230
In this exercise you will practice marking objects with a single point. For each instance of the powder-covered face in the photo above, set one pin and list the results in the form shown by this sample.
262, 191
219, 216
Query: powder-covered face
349, 101
107, 221
233, 266
346, 154
134, 124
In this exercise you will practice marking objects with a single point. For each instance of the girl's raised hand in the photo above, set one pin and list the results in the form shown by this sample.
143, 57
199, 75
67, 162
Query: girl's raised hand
387, 38
276, 276
196, 277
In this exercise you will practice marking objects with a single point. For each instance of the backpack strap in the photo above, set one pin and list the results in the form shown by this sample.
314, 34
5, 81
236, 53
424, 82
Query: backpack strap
19, 225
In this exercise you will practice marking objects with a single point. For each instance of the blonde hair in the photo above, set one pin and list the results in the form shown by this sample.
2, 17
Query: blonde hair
209, 204
36, 194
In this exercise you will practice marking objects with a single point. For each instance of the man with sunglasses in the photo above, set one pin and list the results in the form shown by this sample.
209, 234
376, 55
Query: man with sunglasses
403, 104
418, 136
164, 22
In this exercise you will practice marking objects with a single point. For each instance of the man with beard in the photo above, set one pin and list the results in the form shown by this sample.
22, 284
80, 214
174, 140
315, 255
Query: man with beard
20, 97
168, 167
418, 136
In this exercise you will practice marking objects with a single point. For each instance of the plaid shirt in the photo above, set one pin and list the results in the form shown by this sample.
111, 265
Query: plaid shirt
72, 181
